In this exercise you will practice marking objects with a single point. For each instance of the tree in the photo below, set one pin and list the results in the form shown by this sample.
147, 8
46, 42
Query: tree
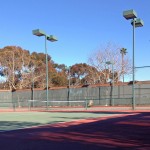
59, 76
92, 75
82, 73
78, 73
14, 60
20, 68
59, 79
110, 53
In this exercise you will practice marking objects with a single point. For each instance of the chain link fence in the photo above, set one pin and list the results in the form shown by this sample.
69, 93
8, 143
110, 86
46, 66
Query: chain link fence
97, 96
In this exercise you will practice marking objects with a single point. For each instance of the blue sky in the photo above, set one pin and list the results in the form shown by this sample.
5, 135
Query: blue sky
81, 26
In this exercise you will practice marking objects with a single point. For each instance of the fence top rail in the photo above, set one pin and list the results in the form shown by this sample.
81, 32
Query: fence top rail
143, 67
55, 101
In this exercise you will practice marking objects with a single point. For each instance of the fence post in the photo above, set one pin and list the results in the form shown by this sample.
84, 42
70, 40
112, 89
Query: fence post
13, 102
86, 103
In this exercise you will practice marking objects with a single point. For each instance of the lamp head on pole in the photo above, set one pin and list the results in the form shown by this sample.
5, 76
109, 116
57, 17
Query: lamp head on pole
52, 38
109, 63
38, 32
130, 14
138, 22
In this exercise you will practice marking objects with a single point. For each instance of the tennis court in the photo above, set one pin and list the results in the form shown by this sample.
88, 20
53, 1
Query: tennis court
19, 120
75, 130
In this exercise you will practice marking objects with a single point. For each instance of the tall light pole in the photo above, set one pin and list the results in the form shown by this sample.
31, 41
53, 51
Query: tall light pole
69, 75
50, 38
111, 63
131, 14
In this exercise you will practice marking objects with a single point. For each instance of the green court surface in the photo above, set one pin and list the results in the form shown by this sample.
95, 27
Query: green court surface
20, 120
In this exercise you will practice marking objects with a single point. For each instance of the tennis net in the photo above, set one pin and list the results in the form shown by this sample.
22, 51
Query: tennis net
38, 104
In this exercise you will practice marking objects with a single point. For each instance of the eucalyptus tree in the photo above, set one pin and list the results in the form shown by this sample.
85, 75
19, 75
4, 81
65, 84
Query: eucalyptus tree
82, 73
13, 60
20, 68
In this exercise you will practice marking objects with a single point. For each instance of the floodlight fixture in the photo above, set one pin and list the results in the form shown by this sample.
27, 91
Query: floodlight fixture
130, 14
108, 62
51, 38
138, 22
38, 32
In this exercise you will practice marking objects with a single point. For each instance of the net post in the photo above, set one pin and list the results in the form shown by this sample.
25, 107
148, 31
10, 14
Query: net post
13, 102
47, 104
85, 103
29, 105
14, 106
33, 104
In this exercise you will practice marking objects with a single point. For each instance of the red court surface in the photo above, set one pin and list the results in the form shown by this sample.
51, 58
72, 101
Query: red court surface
121, 132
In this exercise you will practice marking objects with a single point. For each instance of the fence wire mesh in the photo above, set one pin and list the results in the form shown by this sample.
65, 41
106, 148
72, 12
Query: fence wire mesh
77, 97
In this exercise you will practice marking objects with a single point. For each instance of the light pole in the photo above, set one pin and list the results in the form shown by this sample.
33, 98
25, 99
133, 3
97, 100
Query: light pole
32, 86
111, 63
69, 76
68, 69
50, 38
131, 14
